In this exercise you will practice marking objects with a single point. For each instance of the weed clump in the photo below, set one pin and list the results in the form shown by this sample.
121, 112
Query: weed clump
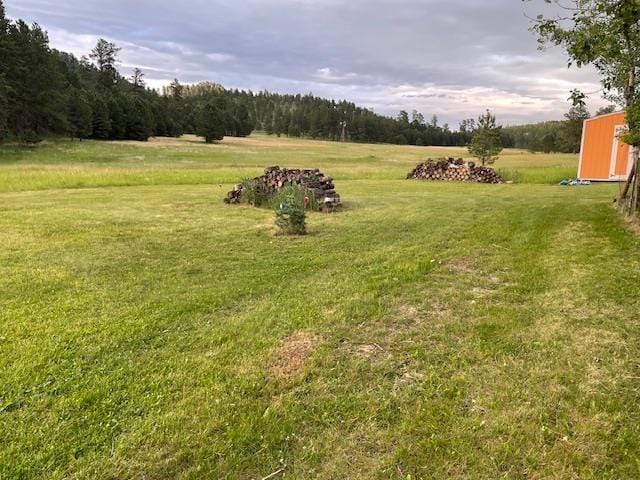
255, 193
291, 215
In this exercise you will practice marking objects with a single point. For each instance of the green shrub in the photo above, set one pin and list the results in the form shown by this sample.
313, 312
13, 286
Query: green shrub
255, 193
291, 204
30, 137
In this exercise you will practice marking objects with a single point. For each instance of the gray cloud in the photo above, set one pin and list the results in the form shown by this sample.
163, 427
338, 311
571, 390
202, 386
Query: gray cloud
453, 58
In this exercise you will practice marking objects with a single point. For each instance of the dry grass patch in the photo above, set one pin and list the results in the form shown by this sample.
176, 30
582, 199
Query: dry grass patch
407, 311
293, 353
462, 266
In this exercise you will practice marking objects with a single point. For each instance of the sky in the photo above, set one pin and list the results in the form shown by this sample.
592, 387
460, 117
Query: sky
450, 58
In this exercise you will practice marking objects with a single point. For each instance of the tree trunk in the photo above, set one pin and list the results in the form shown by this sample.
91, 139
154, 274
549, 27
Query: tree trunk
633, 207
629, 182
632, 182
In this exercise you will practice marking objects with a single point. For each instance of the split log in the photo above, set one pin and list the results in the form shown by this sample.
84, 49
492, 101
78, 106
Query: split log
275, 178
454, 170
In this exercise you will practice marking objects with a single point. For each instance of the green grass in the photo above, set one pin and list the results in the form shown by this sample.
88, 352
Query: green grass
187, 161
430, 330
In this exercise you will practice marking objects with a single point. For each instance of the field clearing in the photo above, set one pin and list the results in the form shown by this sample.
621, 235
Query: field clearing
430, 330
188, 161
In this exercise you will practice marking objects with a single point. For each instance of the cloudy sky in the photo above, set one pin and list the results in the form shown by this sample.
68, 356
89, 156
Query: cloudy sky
452, 58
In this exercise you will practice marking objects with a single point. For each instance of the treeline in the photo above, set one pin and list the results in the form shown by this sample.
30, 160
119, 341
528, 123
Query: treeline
44, 91
319, 118
563, 136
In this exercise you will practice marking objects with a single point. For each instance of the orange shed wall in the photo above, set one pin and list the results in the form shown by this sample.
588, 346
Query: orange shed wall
622, 160
598, 144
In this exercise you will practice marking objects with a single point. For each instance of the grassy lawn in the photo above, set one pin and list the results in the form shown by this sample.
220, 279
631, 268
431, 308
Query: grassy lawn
430, 330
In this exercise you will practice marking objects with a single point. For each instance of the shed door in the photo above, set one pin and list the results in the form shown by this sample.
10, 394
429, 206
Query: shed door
621, 160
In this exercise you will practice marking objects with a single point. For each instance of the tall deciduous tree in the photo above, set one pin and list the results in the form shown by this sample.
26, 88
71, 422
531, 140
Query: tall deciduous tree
605, 34
486, 143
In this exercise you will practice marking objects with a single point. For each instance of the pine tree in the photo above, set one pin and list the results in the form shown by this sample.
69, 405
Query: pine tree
137, 79
486, 143
80, 116
4, 58
176, 89
117, 106
139, 119
34, 85
243, 124
101, 124
105, 55
571, 132
4, 127
210, 120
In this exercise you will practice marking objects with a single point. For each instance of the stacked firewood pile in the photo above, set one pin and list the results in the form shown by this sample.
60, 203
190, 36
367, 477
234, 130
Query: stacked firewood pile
275, 178
454, 170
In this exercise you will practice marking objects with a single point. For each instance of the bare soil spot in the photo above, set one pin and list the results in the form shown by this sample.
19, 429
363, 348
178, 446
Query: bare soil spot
461, 266
292, 354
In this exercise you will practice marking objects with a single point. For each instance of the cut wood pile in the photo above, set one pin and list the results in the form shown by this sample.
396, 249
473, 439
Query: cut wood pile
454, 170
275, 178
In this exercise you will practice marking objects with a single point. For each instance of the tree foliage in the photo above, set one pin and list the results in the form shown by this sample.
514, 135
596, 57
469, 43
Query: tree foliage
315, 117
80, 115
210, 120
486, 143
45, 91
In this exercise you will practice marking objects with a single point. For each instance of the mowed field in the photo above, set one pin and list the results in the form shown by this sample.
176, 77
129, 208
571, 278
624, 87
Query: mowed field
429, 330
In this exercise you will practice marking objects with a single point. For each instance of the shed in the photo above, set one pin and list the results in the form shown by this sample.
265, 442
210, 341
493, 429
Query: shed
603, 156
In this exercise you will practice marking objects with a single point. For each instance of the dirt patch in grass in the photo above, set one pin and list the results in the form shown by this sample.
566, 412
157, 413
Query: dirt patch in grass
461, 266
407, 311
438, 309
293, 353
